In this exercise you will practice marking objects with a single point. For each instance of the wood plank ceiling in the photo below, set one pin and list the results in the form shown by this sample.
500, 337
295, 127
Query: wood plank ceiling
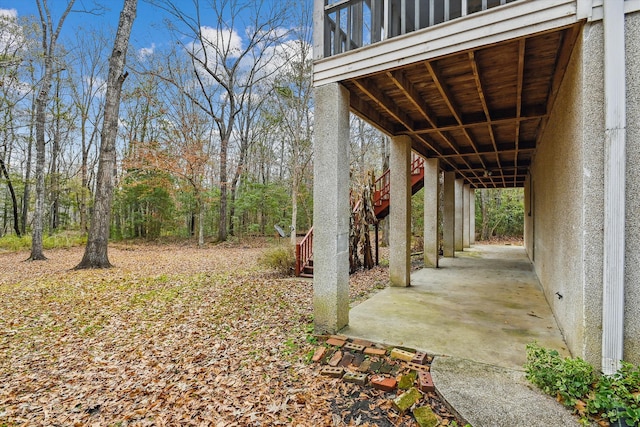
480, 111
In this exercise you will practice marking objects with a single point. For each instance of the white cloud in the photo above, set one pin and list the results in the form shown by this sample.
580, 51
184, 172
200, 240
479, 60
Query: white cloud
98, 85
9, 13
11, 34
146, 52
223, 42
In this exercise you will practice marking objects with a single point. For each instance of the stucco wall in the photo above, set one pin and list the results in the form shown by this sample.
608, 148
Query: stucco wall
557, 208
566, 233
632, 279
593, 176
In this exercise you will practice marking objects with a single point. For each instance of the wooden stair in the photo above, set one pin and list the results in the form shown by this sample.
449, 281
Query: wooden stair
381, 202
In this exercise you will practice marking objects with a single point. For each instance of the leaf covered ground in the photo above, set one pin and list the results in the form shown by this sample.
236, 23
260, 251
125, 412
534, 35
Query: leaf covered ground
173, 335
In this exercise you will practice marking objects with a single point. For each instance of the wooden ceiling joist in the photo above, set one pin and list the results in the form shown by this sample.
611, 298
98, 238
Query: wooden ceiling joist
480, 111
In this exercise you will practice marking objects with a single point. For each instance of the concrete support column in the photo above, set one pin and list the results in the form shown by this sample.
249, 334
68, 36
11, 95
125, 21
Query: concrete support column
449, 215
472, 216
400, 211
459, 223
331, 209
466, 216
431, 209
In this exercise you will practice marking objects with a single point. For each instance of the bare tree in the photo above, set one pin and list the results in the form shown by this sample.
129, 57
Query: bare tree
11, 46
229, 54
49, 38
95, 254
86, 91
293, 97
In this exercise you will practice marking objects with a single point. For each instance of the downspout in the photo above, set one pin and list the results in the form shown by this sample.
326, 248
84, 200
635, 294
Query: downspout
614, 187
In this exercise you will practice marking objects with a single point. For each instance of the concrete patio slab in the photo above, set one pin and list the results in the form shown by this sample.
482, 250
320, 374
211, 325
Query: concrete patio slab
485, 305
475, 314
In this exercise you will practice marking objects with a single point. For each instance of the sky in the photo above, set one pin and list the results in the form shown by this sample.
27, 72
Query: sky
148, 30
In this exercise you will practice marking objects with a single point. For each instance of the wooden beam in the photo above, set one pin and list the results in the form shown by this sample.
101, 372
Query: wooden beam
371, 115
448, 98
401, 81
569, 37
493, 122
486, 153
521, 55
485, 106
384, 102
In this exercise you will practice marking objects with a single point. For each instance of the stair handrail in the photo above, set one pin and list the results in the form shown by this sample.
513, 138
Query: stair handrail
382, 189
304, 251
382, 186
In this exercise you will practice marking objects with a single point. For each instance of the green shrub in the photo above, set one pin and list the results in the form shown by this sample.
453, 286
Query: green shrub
570, 379
65, 239
13, 243
574, 382
281, 259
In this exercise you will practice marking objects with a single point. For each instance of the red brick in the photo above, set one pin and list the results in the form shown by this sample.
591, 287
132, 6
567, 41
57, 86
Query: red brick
374, 351
339, 337
417, 367
353, 347
425, 382
420, 358
336, 342
335, 359
362, 342
319, 353
360, 379
364, 366
332, 372
383, 383
346, 360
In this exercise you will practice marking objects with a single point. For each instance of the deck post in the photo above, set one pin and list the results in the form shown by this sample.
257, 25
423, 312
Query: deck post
448, 215
320, 32
466, 216
431, 209
400, 211
459, 211
331, 211
472, 216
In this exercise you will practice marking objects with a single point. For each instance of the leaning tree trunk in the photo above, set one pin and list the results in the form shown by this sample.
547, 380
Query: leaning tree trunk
95, 254
14, 200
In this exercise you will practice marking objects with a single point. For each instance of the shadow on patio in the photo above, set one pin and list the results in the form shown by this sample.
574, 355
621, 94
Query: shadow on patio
484, 305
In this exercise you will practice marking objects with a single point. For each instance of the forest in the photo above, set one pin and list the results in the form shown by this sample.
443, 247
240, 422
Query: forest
214, 129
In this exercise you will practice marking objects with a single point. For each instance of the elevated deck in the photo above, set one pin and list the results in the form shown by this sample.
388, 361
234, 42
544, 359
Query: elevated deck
470, 81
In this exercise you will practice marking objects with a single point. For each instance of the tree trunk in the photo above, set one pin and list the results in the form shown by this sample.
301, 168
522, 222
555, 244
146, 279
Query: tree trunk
294, 205
53, 169
95, 255
384, 223
200, 225
27, 177
484, 204
49, 38
37, 253
14, 201
222, 224
83, 177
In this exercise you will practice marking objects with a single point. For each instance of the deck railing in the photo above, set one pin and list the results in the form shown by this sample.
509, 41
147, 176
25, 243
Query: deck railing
351, 24
304, 252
